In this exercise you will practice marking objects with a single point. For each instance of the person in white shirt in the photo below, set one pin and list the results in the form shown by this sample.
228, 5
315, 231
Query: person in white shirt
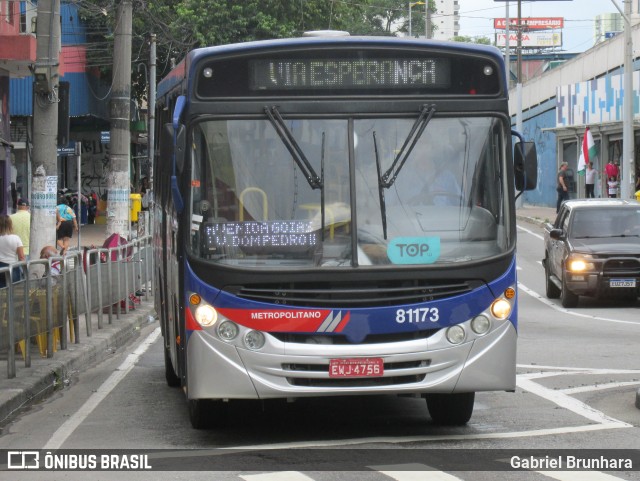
11, 249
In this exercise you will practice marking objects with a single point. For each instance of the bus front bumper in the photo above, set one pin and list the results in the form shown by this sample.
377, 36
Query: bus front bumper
218, 370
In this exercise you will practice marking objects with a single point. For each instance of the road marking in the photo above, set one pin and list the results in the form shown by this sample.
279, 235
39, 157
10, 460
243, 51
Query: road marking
534, 234
567, 402
70, 425
562, 370
598, 387
437, 437
277, 476
549, 303
413, 472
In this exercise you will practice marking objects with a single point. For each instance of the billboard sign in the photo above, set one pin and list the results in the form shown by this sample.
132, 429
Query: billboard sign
530, 23
531, 39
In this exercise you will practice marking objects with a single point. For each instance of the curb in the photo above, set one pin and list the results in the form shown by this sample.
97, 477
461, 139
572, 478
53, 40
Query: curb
46, 375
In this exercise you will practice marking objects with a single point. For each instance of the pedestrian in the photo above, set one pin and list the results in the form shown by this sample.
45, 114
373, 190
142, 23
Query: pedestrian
590, 180
66, 223
612, 185
11, 249
562, 186
21, 221
612, 170
14, 197
54, 271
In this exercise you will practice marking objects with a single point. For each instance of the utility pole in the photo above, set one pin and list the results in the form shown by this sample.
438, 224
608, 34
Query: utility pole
119, 179
44, 163
152, 105
627, 165
427, 19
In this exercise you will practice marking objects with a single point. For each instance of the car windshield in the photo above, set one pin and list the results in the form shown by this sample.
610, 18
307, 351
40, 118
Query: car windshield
279, 192
602, 222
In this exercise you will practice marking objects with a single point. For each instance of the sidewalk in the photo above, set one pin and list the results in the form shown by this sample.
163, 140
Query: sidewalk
536, 214
47, 375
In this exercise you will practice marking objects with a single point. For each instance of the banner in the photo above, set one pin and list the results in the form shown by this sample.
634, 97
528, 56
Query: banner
588, 151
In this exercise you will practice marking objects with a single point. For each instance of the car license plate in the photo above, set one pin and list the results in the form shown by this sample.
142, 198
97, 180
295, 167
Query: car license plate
356, 367
622, 283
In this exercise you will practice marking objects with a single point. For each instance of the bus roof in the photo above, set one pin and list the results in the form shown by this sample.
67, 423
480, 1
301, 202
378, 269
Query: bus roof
179, 73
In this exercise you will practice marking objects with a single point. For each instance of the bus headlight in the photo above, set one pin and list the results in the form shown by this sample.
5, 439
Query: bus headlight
206, 315
501, 309
455, 334
480, 325
254, 340
228, 330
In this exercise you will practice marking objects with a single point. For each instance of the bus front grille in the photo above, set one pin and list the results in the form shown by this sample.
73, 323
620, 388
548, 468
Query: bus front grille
362, 294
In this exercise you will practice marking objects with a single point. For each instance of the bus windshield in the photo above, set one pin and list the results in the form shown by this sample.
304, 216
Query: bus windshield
313, 193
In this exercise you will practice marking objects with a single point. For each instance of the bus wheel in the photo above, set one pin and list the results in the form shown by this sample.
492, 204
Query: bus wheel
169, 372
451, 409
207, 413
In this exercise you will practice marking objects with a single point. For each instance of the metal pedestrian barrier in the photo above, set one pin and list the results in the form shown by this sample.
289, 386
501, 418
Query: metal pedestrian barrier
45, 307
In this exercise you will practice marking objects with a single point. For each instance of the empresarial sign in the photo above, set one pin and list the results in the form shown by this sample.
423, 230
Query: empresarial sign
529, 23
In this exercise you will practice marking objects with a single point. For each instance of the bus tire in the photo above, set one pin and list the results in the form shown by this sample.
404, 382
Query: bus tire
451, 409
207, 413
173, 380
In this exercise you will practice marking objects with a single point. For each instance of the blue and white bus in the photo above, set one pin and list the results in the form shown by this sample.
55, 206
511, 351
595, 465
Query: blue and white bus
336, 216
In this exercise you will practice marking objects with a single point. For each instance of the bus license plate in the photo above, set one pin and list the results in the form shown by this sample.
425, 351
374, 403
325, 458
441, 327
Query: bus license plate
622, 283
356, 367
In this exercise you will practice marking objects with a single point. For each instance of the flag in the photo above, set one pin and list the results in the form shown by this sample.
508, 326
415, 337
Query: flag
588, 151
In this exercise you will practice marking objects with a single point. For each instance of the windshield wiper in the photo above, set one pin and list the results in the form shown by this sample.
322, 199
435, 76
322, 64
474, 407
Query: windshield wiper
289, 141
292, 146
387, 179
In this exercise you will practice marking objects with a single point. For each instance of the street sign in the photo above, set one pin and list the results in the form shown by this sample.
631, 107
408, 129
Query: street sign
105, 137
70, 149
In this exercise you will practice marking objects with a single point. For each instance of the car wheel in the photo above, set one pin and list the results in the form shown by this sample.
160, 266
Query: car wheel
553, 292
451, 409
568, 298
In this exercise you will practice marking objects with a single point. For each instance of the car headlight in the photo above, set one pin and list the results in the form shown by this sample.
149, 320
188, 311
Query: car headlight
579, 263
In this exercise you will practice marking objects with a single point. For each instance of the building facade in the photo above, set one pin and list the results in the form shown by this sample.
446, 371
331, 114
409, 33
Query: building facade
17, 53
558, 105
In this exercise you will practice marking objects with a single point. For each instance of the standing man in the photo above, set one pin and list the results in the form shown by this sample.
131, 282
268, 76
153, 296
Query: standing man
612, 170
21, 221
562, 188
590, 180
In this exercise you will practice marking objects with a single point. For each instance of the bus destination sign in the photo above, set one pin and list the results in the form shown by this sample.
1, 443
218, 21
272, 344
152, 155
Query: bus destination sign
347, 73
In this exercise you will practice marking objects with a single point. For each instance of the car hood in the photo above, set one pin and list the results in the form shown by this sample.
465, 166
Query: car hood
609, 245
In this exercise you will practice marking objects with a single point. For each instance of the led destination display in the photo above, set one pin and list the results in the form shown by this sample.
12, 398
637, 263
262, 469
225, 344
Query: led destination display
372, 73
261, 236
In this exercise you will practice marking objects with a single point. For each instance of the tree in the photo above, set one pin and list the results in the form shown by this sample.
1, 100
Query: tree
478, 40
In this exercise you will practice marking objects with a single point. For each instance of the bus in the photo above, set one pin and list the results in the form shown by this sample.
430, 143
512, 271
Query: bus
335, 215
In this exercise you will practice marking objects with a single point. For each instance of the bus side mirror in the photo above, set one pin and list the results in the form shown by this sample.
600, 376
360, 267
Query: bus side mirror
525, 164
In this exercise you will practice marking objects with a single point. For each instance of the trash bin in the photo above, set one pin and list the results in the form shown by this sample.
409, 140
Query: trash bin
136, 206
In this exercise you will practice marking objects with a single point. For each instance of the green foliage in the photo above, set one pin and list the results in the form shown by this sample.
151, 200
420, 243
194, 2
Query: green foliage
479, 40
181, 25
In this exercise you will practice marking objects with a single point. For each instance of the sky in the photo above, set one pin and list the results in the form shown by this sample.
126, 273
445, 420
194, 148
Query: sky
476, 17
